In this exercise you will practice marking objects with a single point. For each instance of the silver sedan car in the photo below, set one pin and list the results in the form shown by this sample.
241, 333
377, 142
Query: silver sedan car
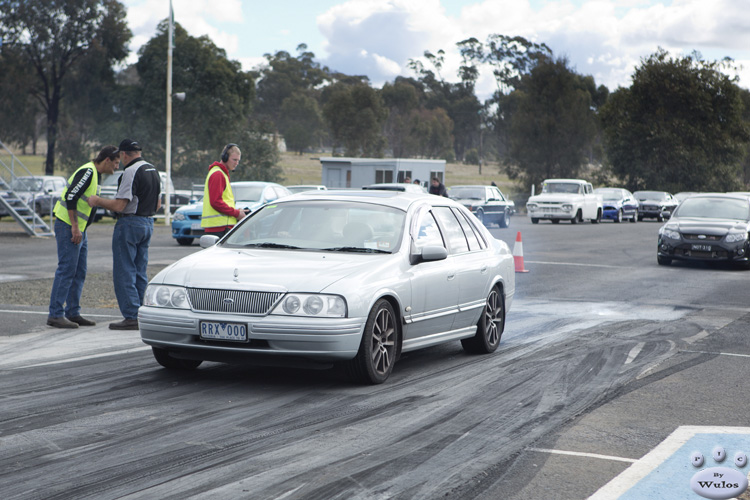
324, 277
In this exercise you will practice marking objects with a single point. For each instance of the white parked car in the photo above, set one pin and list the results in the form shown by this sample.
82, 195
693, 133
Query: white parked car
565, 199
323, 277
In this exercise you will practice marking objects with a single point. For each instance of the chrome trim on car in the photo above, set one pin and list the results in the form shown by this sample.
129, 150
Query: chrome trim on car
232, 301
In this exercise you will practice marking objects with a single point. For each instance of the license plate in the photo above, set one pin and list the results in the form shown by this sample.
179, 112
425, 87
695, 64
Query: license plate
215, 330
195, 225
701, 248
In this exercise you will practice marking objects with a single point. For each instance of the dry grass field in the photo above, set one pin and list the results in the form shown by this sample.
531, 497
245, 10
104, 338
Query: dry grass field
305, 169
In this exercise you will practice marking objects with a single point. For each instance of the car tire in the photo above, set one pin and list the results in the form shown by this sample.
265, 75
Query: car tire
163, 357
598, 218
480, 216
534, 220
378, 348
660, 218
663, 261
490, 326
504, 220
618, 219
185, 242
635, 217
577, 218
38, 210
640, 218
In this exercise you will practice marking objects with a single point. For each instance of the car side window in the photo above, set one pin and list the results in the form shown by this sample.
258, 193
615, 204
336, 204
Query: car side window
428, 232
457, 242
269, 194
471, 236
497, 194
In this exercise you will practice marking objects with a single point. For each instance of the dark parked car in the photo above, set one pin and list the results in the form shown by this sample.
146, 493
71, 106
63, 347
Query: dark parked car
488, 203
618, 204
657, 205
707, 227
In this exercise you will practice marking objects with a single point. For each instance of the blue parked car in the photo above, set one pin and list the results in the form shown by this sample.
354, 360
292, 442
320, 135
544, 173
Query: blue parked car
250, 195
618, 204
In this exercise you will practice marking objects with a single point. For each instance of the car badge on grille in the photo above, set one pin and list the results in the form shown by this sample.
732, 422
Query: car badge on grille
228, 300
701, 236
236, 275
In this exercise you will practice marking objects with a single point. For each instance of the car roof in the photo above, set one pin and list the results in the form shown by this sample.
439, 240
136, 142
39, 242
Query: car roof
472, 186
255, 183
731, 196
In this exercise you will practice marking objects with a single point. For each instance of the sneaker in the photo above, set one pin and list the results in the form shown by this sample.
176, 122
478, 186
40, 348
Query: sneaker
126, 324
61, 322
82, 321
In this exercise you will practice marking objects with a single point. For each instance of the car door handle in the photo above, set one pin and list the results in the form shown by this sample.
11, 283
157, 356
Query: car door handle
451, 276
483, 270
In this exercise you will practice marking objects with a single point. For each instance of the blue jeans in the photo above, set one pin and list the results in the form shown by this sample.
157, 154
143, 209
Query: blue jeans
130, 241
65, 298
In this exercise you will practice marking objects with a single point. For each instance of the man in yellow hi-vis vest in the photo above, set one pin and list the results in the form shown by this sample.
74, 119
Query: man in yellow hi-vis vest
74, 215
219, 214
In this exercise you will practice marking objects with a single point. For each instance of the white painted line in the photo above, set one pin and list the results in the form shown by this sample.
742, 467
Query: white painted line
575, 264
643, 467
698, 336
634, 352
83, 358
46, 313
580, 454
720, 353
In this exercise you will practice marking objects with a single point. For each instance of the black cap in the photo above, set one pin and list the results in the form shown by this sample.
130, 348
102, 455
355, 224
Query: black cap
129, 145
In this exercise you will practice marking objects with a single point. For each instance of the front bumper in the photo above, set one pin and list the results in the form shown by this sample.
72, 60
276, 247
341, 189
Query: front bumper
269, 337
713, 252
187, 228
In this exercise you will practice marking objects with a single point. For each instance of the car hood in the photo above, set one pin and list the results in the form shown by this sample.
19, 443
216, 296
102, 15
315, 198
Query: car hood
708, 226
198, 206
272, 270
613, 203
653, 201
554, 197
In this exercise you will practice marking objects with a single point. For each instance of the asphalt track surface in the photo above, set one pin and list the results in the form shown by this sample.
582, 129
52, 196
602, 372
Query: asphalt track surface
605, 358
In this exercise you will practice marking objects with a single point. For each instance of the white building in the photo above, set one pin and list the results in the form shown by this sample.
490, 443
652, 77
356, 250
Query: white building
358, 172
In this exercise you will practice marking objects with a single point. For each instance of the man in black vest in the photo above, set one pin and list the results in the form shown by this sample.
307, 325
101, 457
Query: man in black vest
137, 200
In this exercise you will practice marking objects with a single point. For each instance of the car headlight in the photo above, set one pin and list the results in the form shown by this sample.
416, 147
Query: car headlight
312, 304
178, 216
174, 297
735, 237
531, 206
567, 207
671, 234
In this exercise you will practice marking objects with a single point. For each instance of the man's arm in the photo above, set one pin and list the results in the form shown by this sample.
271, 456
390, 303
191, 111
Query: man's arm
116, 205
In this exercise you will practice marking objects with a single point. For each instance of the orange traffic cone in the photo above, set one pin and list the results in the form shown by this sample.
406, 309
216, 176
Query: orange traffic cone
518, 254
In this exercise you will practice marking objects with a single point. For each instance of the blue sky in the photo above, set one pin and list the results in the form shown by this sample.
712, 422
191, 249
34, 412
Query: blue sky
602, 38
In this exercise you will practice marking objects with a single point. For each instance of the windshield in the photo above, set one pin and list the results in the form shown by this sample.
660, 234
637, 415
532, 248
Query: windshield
334, 226
26, 184
610, 194
466, 193
560, 187
247, 193
650, 195
714, 208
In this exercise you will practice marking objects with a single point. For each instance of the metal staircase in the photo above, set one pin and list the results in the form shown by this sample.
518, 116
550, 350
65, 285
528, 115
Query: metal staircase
10, 203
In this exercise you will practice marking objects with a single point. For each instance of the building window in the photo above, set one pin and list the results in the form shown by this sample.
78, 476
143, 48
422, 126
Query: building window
382, 176
403, 174
437, 174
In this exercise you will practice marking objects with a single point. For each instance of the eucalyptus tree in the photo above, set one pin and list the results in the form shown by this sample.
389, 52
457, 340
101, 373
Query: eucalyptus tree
53, 36
680, 126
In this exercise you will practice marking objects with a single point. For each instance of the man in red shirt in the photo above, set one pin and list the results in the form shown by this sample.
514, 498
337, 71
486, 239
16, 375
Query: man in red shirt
219, 213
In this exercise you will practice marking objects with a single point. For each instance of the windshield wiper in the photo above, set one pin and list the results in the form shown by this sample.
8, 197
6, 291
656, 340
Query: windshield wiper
272, 245
354, 249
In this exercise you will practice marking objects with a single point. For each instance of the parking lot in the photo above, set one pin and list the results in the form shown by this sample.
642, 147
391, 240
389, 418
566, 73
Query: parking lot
610, 365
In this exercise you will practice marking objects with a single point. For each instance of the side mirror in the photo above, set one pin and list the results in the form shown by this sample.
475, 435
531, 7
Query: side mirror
208, 240
433, 252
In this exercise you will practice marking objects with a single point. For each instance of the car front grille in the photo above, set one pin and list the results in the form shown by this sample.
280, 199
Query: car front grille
709, 237
232, 301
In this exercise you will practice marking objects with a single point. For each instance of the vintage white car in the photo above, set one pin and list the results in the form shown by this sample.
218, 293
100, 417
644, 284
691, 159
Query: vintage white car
565, 199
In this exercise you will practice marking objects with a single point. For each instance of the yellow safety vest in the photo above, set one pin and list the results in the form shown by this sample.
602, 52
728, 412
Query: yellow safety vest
83, 210
212, 217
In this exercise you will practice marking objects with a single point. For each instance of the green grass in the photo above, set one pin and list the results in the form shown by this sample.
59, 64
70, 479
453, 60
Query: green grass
305, 169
